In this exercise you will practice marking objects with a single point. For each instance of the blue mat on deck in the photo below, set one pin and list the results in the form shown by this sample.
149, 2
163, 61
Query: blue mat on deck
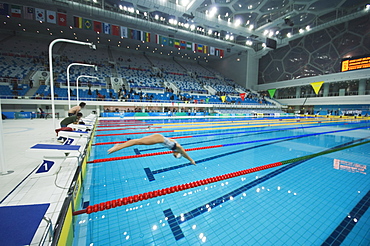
18, 224
56, 147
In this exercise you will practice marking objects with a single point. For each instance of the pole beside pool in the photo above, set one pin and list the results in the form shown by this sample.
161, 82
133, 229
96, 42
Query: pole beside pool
3, 170
51, 75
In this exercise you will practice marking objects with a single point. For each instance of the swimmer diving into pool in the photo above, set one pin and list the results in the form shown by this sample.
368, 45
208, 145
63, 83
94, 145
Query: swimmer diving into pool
156, 138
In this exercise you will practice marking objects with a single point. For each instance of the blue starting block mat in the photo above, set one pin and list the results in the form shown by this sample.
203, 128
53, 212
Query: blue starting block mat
18, 224
56, 147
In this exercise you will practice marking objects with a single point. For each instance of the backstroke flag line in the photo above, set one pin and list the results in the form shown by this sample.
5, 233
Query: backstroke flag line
317, 86
271, 92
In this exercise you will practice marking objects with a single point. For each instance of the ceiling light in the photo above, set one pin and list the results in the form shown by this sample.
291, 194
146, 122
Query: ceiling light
237, 22
289, 35
213, 12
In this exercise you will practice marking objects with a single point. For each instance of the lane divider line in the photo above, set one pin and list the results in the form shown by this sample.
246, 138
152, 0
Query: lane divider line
217, 146
161, 192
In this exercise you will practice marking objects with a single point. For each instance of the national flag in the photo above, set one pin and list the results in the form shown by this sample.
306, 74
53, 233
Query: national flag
194, 47
200, 48
62, 19
40, 14
182, 44
189, 45
176, 43
4, 9
147, 37
221, 53
77, 21
106, 28
115, 30
205, 49
171, 42
51, 16
16, 11
28, 13
124, 32
140, 35
164, 41
212, 51
133, 33
217, 52
158, 39
97, 26
87, 24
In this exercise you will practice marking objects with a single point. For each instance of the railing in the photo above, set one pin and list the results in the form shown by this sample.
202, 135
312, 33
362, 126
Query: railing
48, 231
197, 101
330, 94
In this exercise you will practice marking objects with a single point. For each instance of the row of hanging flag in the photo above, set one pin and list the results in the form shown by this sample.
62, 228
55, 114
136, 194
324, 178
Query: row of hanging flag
60, 19
316, 86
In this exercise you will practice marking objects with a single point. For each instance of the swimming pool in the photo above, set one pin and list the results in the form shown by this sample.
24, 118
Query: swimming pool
312, 187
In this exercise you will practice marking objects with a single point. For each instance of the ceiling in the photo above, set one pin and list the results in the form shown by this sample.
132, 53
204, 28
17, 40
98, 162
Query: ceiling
249, 20
226, 24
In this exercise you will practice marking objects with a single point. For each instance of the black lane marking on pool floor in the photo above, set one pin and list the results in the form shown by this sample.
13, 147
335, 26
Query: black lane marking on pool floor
345, 227
226, 197
150, 173
174, 225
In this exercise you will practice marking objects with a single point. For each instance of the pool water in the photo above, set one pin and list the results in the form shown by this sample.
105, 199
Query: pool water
317, 195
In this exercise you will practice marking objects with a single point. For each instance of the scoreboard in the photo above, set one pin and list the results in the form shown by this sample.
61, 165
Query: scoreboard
355, 63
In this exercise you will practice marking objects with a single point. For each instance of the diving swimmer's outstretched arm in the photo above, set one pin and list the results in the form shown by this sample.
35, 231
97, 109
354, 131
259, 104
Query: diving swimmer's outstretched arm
182, 151
150, 140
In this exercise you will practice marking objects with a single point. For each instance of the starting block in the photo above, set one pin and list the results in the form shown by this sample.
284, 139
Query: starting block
56, 150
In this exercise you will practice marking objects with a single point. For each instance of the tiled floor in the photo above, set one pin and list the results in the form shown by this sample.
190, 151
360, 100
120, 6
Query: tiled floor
21, 185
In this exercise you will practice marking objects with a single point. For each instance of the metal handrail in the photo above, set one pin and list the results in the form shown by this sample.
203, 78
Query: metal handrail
48, 231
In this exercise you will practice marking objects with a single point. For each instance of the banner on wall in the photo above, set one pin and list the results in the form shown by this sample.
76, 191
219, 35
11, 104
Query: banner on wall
317, 86
271, 92
223, 98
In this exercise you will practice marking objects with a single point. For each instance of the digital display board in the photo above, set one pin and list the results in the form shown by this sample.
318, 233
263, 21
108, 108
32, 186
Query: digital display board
355, 63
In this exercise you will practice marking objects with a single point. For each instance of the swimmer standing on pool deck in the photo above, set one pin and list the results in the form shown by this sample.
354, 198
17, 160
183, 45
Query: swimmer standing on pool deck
156, 138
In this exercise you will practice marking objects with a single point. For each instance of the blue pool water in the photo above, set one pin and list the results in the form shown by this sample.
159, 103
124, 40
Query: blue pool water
322, 200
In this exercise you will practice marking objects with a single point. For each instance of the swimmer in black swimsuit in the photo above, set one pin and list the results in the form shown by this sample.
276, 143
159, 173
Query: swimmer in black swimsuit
156, 138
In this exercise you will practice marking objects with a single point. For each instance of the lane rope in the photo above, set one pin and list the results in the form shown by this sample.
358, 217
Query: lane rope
219, 146
228, 133
165, 191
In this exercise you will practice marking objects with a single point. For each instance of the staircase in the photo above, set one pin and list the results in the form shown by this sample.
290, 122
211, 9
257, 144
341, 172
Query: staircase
31, 91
